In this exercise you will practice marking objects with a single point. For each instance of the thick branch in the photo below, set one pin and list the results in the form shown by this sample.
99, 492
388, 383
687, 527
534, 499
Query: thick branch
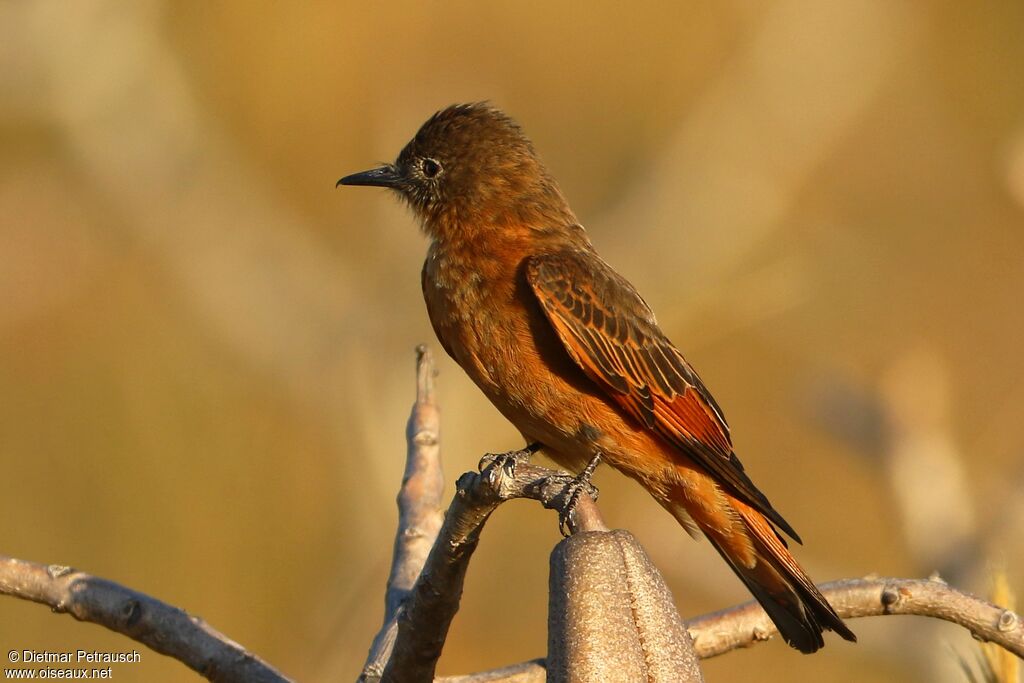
166, 629
426, 616
419, 510
429, 606
742, 626
747, 624
610, 610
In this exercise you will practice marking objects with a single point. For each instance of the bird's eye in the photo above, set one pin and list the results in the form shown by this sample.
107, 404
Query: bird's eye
431, 168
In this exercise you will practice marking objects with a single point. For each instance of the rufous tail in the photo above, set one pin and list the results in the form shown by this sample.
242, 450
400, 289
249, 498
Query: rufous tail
776, 579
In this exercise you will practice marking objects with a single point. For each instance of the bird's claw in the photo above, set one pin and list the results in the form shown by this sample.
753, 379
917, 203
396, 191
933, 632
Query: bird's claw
573, 489
509, 460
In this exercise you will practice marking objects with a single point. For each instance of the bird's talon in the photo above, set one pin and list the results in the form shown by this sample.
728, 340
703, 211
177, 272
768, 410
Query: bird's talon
564, 517
573, 488
509, 460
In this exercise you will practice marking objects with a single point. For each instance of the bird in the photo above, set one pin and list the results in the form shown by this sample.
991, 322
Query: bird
571, 354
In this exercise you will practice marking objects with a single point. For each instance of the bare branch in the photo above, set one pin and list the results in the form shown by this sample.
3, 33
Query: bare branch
419, 610
746, 625
633, 606
419, 510
166, 629
742, 626
433, 602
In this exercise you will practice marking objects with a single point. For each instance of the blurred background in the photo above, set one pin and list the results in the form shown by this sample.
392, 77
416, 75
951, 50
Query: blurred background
206, 351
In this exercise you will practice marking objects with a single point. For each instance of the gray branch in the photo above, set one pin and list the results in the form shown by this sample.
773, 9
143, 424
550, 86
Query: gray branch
424, 619
166, 629
742, 626
419, 510
610, 609
746, 625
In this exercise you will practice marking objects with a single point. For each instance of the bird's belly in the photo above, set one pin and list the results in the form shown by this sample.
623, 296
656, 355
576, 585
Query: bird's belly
504, 342
534, 383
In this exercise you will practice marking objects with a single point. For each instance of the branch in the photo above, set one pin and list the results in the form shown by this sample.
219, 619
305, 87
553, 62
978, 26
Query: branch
424, 609
419, 510
610, 609
426, 616
747, 624
419, 610
166, 629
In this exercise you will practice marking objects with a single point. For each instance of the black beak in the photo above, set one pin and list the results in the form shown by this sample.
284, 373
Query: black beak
385, 176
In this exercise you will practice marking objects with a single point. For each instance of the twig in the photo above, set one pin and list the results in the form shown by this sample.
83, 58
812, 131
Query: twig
433, 602
742, 626
166, 629
419, 510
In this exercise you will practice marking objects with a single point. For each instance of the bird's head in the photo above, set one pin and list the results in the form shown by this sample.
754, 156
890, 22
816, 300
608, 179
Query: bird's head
469, 164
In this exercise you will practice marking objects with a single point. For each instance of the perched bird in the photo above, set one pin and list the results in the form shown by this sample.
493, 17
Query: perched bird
571, 354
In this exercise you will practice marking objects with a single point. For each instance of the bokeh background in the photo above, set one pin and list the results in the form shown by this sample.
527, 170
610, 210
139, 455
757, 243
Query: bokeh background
206, 351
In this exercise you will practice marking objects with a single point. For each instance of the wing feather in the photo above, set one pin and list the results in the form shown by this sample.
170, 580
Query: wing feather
610, 332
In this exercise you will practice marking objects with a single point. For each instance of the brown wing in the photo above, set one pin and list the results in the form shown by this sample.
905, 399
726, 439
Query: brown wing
612, 335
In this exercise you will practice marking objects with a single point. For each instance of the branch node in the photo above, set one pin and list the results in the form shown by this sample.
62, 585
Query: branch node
425, 437
890, 597
131, 612
55, 571
1008, 621
464, 484
415, 532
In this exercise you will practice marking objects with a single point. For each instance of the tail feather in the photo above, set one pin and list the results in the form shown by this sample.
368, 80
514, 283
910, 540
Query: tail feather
779, 583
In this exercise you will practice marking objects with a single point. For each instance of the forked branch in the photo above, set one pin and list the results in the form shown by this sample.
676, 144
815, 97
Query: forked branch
426, 581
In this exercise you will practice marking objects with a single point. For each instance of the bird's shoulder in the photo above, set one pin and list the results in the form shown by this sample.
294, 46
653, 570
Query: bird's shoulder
581, 277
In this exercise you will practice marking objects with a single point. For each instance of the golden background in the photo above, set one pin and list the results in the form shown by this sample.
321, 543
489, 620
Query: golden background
206, 351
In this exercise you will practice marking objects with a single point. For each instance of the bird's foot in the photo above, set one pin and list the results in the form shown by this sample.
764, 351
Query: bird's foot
509, 460
578, 485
